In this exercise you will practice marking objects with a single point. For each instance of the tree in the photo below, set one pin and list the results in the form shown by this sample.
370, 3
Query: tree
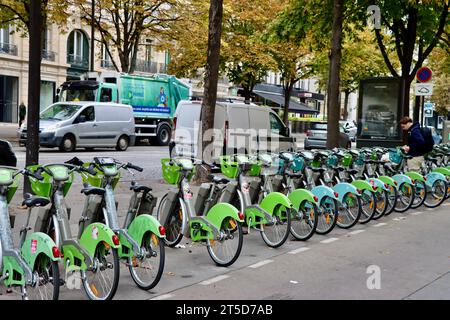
360, 59
414, 28
245, 59
122, 25
439, 62
333, 83
31, 17
211, 76
293, 61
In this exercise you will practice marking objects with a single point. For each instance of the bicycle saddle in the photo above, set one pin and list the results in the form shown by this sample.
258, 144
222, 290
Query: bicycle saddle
93, 190
217, 179
35, 201
144, 189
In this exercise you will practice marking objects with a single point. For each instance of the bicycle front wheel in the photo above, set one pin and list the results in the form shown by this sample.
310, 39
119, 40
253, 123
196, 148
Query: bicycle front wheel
147, 268
436, 194
420, 194
382, 202
101, 279
275, 233
225, 251
368, 206
47, 286
304, 221
327, 215
405, 197
392, 199
349, 211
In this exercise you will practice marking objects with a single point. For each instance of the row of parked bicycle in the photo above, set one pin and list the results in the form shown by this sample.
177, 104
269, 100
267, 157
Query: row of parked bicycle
298, 193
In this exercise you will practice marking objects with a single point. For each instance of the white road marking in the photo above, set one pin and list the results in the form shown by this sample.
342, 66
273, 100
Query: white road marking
356, 232
416, 213
446, 204
399, 219
260, 264
298, 250
380, 224
214, 280
329, 240
163, 297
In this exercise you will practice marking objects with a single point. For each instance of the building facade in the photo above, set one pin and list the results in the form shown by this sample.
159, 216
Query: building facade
65, 56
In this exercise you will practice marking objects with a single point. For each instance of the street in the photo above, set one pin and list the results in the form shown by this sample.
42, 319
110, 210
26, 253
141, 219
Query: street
401, 256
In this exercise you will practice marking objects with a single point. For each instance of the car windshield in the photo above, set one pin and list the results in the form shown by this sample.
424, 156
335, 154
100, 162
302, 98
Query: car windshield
59, 112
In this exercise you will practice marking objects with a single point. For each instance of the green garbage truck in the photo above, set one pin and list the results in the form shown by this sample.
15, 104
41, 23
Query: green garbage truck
153, 98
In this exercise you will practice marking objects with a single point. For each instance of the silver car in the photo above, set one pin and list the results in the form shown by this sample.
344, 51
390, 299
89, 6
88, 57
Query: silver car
68, 125
316, 137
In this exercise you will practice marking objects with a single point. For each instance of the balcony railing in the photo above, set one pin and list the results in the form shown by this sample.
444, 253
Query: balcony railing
107, 64
150, 67
8, 48
77, 61
48, 55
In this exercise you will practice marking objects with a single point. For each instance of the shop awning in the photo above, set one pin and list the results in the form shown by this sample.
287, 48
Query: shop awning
294, 106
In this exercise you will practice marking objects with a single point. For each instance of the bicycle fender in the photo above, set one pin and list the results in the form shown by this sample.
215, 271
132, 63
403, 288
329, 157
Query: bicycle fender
379, 184
94, 234
401, 178
220, 212
36, 244
434, 176
444, 171
388, 180
363, 185
415, 176
274, 199
323, 191
298, 196
343, 188
140, 226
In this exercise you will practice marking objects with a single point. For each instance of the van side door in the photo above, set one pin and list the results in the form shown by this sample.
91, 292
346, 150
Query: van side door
85, 127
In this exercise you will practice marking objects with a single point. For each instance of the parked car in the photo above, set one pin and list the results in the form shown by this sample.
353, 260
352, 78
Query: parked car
316, 137
68, 125
351, 129
7, 156
239, 128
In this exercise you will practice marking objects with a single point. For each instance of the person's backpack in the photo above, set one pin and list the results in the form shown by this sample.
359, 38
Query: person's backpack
428, 137
7, 156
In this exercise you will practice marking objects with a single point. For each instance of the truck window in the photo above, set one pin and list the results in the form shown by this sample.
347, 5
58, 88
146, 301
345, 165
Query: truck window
89, 113
106, 95
78, 95
276, 126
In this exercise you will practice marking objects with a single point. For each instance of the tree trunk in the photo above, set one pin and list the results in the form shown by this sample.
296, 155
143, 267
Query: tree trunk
345, 115
333, 88
407, 87
34, 85
211, 79
287, 99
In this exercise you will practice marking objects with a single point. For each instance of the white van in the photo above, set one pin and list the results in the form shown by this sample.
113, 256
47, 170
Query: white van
69, 125
238, 128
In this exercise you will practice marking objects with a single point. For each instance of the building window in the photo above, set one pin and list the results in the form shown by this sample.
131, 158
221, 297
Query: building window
78, 49
5, 42
4, 35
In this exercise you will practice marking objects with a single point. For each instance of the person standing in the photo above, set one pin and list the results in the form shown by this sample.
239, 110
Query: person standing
416, 143
22, 113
